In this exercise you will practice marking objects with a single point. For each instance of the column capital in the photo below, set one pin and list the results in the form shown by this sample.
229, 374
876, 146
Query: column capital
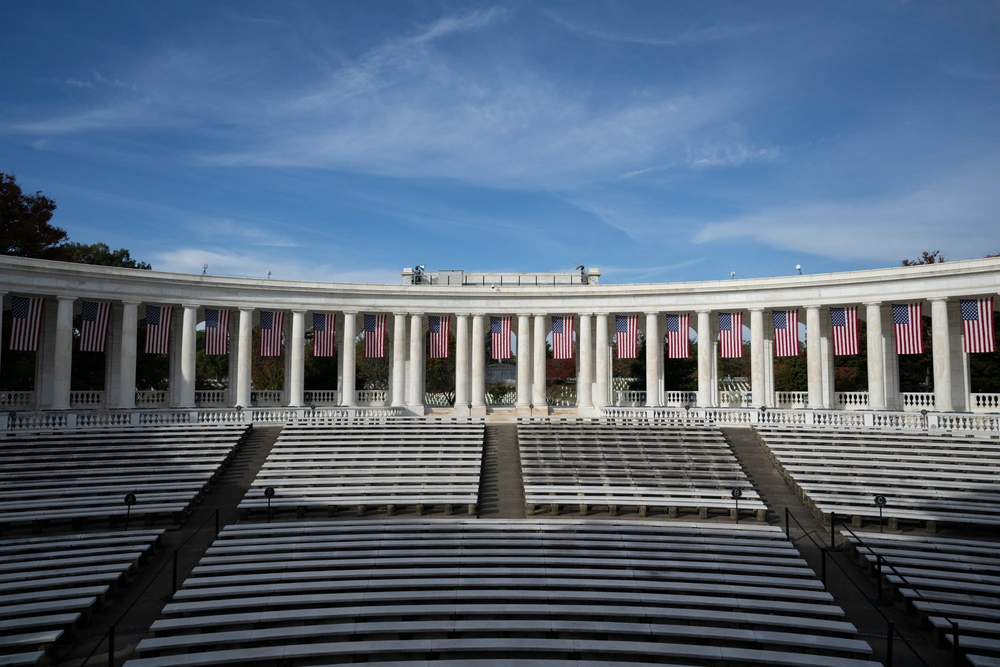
586, 314
753, 310
871, 303
652, 313
399, 313
814, 307
932, 299
463, 314
247, 309
66, 298
299, 311
703, 311
349, 312
539, 315
524, 315
418, 313
190, 305
129, 302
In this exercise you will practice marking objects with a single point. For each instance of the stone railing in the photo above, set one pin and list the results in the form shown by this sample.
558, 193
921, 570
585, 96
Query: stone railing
850, 400
917, 401
213, 397
150, 398
267, 397
627, 399
735, 399
791, 399
680, 398
986, 402
371, 397
86, 399
17, 399
443, 399
322, 397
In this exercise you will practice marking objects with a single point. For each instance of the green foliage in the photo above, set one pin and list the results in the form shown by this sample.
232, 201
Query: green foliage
24, 223
102, 255
17, 369
934, 257
791, 373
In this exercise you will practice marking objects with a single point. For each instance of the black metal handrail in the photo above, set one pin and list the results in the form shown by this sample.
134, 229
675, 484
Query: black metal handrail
891, 631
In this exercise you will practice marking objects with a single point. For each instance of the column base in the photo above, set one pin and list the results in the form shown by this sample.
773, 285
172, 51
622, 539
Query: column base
522, 410
419, 410
541, 411
478, 411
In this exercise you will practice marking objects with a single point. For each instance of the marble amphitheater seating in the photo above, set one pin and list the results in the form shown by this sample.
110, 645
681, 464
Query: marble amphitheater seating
391, 465
937, 479
581, 465
491, 592
50, 585
85, 475
943, 579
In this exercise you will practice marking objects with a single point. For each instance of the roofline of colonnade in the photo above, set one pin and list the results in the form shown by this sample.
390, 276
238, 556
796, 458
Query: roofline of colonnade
966, 278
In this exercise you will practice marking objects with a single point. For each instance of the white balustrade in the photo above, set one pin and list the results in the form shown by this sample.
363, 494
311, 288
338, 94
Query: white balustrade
917, 401
680, 398
211, 397
266, 397
86, 399
322, 397
851, 400
986, 402
792, 399
630, 399
371, 397
735, 399
12, 400
150, 398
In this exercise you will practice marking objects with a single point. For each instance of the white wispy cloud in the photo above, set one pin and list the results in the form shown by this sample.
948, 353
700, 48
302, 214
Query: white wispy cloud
687, 37
257, 264
76, 83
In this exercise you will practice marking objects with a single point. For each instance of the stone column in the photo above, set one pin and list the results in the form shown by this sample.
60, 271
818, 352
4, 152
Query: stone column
941, 347
705, 349
538, 374
814, 357
890, 363
876, 368
127, 348
826, 356
297, 354
462, 396
2, 295
757, 388
524, 361
347, 395
189, 321
584, 393
478, 399
602, 367
654, 357
61, 372
399, 344
415, 399
244, 366
961, 390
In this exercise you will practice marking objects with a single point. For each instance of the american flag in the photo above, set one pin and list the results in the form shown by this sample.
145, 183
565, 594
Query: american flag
844, 322
500, 336
731, 335
977, 325
374, 336
324, 329
909, 322
94, 326
158, 329
439, 327
27, 325
786, 332
216, 331
272, 327
562, 337
678, 336
627, 336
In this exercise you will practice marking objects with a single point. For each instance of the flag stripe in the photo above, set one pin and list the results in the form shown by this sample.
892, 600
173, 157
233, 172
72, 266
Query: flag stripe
977, 325
94, 326
374, 330
158, 320
272, 329
786, 332
679, 336
216, 331
731, 335
627, 336
26, 327
500, 333
908, 321
439, 331
562, 337
844, 325
324, 332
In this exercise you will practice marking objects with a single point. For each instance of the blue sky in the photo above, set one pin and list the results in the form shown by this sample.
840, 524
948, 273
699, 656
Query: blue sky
658, 141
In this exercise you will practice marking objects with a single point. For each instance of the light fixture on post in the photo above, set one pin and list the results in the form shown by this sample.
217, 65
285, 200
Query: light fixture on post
204, 269
798, 267
584, 280
732, 274
268, 275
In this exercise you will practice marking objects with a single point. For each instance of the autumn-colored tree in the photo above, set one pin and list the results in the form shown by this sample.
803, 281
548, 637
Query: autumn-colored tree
933, 257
